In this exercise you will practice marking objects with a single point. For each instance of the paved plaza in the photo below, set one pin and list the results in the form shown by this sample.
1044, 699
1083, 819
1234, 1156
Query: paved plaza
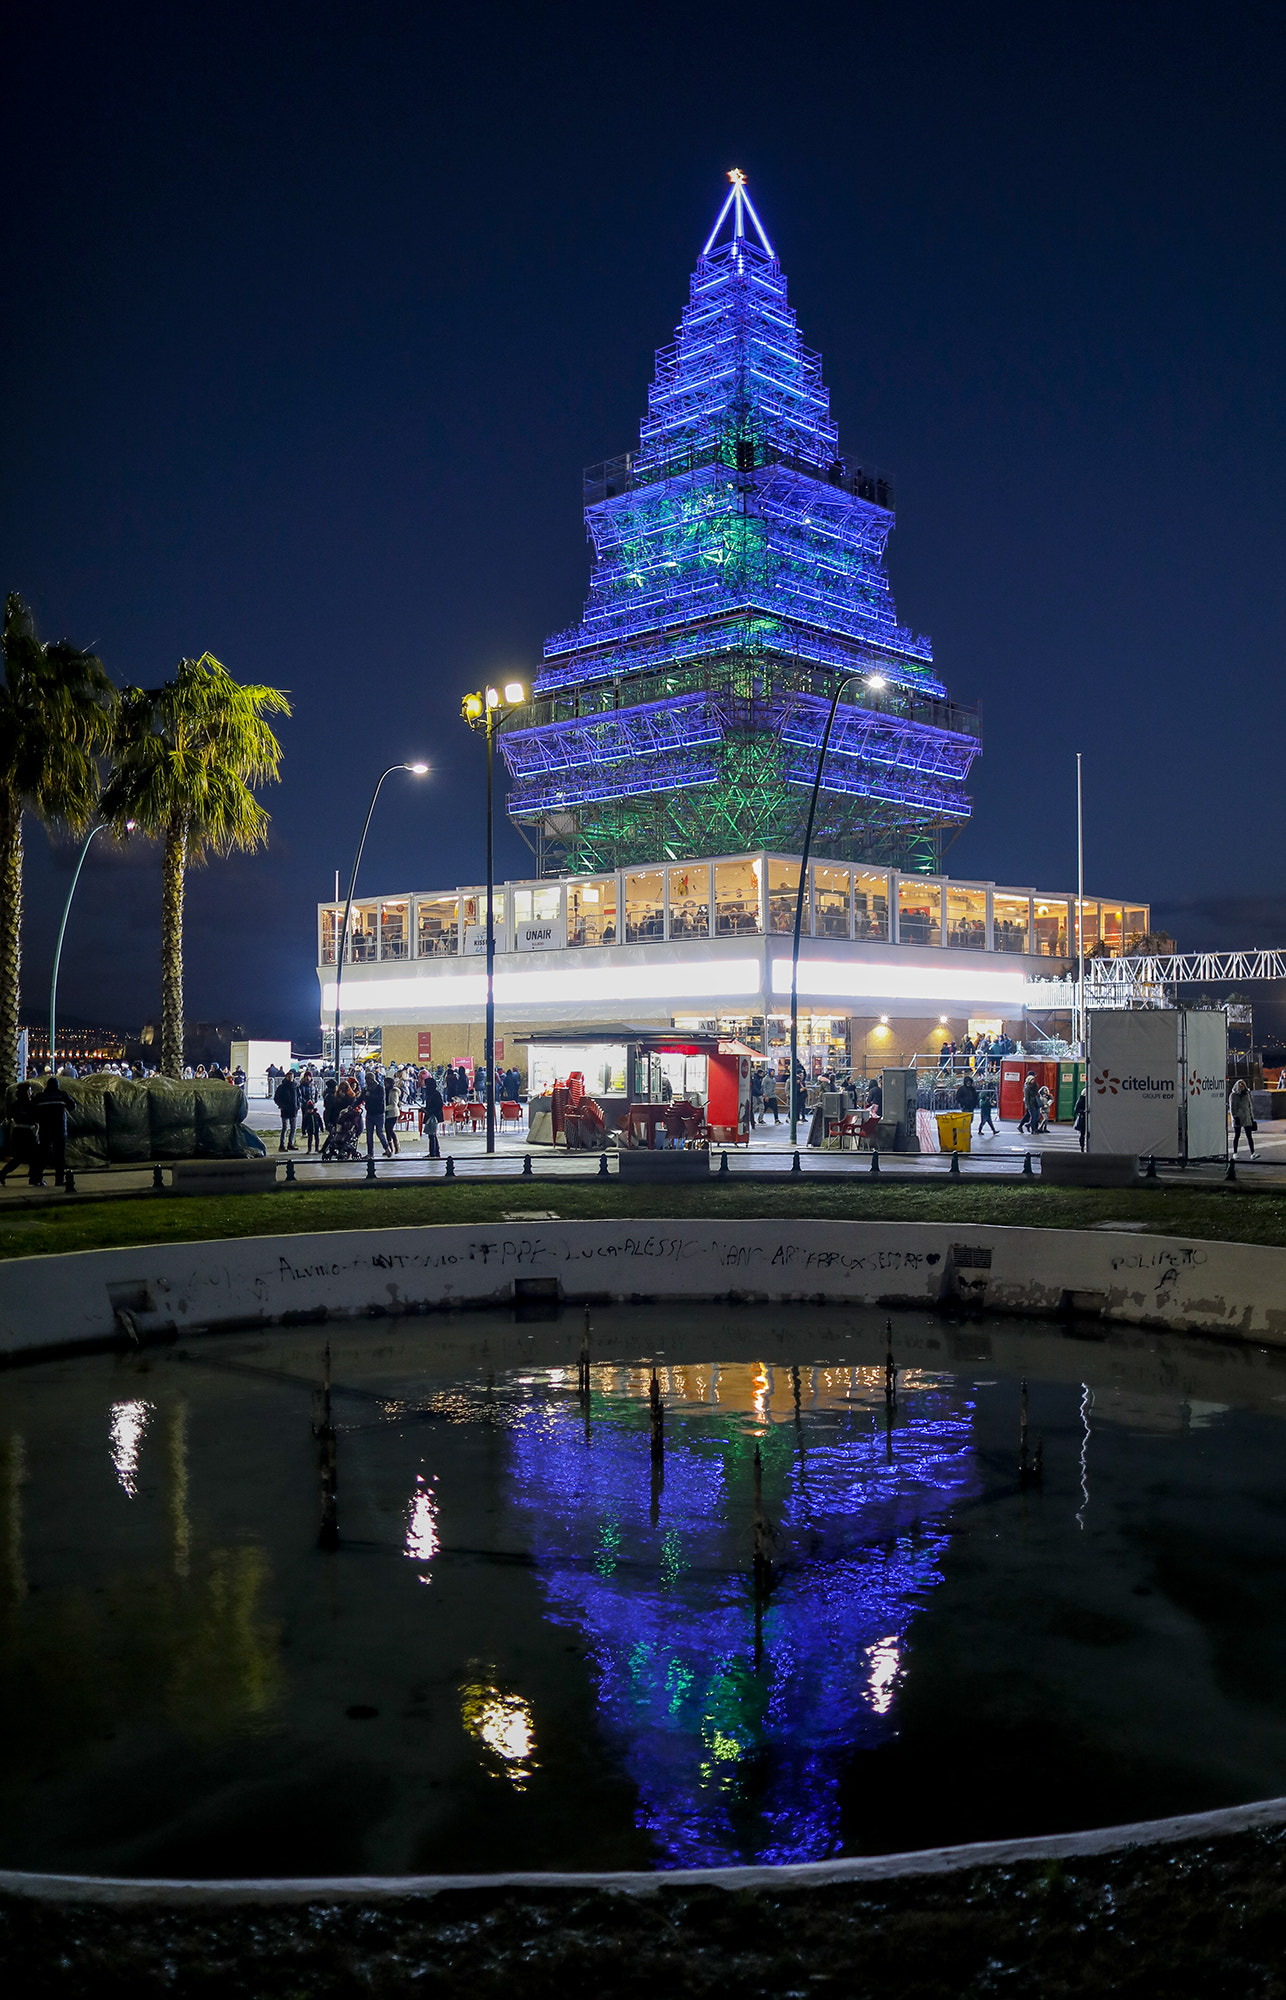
769, 1152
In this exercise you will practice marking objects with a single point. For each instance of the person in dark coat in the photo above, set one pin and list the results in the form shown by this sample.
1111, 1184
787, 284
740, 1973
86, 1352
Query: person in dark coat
286, 1099
433, 1111
51, 1108
22, 1137
967, 1096
986, 1104
1079, 1116
374, 1102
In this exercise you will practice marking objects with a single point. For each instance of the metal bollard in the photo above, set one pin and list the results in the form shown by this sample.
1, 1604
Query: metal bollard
450, 1168
875, 1160
370, 1167
69, 1182
526, 1166
290, 1168
723, 1163
1231, 1172
794, 1165
954, 1168
1151, 1173
1027, 1172
157, 1181
602, 1166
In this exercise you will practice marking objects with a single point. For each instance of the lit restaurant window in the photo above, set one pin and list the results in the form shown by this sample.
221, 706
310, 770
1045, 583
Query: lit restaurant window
1011, 917
919, 912
736, 897
783, 894
362, 928
690, 902
394, 934
870, 905
591, 911
830, 892
644, 906
966, 918
436, 926
1050, 926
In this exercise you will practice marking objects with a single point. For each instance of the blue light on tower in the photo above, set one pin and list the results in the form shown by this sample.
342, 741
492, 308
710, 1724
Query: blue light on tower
739, 567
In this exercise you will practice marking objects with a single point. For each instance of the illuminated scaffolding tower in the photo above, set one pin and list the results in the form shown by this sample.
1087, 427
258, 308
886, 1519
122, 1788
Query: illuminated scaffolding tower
739, 569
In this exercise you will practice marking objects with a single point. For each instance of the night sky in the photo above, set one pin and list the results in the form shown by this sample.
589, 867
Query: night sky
314, 315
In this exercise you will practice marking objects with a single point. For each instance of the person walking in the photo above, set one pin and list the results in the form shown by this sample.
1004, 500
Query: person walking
1030, 1120
756, 1098
1243, 1115
51, 1108
1080, 1114
373, 1099
310, 1117
967, 1096
286, 1099
392, 1110
433, 1111
22, 1136
986, 1105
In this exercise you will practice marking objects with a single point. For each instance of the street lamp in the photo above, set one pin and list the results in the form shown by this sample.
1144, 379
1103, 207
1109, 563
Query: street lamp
58, 948
872, 680
482, 712
418, 770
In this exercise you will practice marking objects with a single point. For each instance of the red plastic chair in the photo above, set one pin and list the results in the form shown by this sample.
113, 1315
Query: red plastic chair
510, 1113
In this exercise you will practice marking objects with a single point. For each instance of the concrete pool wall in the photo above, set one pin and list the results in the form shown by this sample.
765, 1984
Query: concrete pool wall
1125, 1276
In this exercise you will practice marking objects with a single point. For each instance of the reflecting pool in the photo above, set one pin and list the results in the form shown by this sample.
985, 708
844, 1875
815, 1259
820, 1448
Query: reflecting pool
439, 1598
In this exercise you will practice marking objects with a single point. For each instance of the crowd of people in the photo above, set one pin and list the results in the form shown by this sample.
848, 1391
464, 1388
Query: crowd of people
332, 1114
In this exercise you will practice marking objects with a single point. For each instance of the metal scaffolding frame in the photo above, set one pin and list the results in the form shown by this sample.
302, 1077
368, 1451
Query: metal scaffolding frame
736, 554
1148, 979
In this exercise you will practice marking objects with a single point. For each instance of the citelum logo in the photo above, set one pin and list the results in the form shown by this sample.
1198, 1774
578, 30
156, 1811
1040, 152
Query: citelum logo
1105, 1081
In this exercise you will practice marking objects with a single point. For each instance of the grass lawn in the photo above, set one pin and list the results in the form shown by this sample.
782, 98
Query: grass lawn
1234, 1214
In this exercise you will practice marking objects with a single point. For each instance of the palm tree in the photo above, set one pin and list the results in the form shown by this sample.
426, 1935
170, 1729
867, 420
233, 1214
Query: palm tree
187, 755
56, 707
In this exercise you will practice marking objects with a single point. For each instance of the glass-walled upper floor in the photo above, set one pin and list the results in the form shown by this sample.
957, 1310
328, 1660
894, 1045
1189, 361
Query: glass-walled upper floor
742, 895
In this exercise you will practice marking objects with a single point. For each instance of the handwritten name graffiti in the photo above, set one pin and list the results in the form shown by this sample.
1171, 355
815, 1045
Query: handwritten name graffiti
652, 1247
1183, 1257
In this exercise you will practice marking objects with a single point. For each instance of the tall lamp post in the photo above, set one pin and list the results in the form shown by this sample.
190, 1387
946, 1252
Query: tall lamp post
875, 682
58, 948
482, 711
418, 771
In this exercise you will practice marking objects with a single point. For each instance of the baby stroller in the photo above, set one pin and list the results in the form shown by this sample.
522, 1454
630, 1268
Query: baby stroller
341, 1140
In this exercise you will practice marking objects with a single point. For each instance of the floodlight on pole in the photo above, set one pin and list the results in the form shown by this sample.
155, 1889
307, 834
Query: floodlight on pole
418, 770
840, 686
482, 711
58, 948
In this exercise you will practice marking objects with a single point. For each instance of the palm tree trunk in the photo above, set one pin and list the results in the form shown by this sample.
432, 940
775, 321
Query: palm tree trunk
10, 936
172, 868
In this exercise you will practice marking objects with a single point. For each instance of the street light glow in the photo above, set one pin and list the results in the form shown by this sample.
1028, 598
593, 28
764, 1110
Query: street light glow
876, 681
418, 769
515, 691
493, 698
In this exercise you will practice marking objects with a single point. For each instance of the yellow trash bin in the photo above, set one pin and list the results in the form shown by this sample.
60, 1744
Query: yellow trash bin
954, 1131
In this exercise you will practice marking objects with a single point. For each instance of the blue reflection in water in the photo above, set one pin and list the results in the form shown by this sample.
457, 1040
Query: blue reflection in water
736, 1717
